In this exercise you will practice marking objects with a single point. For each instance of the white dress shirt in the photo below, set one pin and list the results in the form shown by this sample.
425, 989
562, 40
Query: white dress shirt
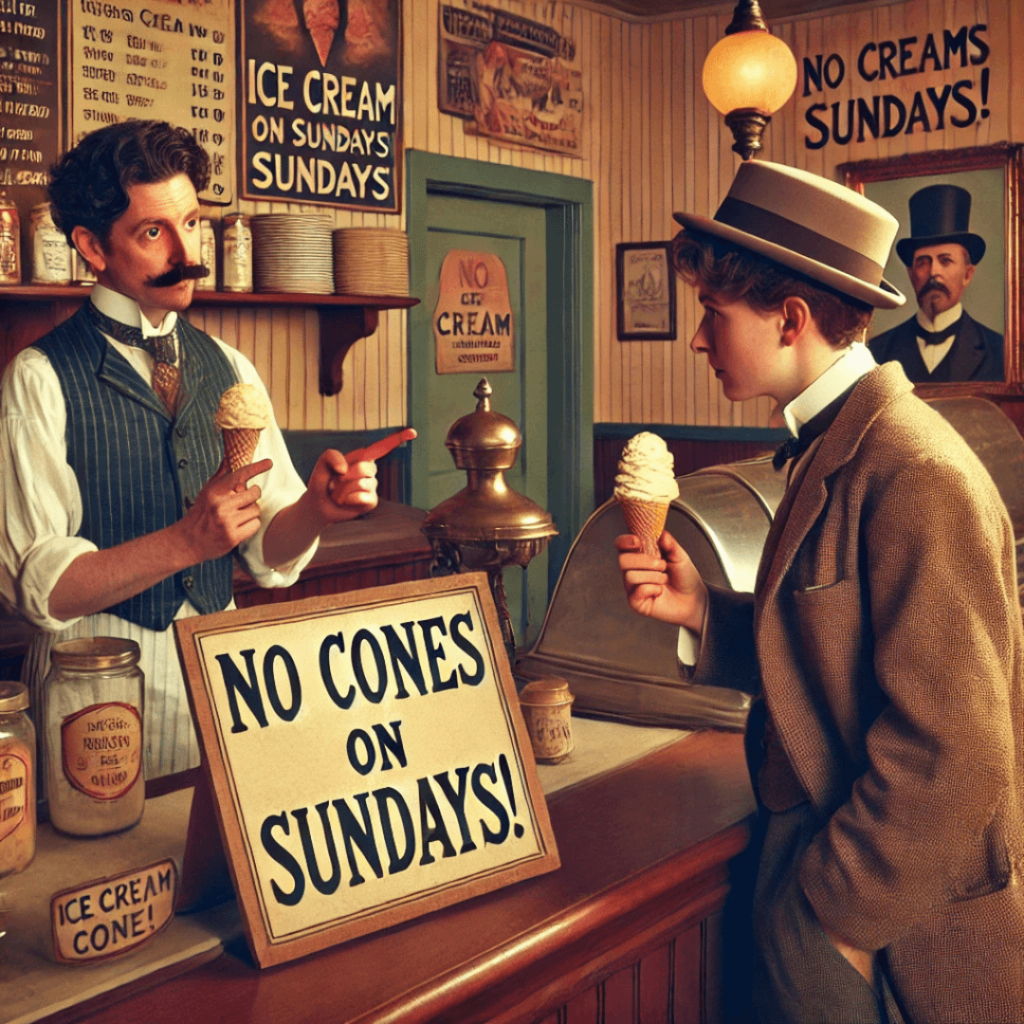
934, 354
41, 513
856, 361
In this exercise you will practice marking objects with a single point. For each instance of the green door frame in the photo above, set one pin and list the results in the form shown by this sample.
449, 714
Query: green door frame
569, 212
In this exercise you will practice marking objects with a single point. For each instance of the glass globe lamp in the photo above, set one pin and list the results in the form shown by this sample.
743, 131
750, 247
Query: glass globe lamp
748, 75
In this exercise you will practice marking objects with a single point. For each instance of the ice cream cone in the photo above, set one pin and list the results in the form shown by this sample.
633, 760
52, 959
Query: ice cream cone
240, 446
645, 520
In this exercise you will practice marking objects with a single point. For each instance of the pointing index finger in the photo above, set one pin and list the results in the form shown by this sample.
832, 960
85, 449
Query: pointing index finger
380, 448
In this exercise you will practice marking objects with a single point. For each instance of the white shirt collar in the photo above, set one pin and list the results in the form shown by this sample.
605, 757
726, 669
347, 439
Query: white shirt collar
855, 362
126, 311
942, 321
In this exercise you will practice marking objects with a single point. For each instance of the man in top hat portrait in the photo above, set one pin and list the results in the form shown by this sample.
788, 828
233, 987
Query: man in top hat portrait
942, 343
882, 647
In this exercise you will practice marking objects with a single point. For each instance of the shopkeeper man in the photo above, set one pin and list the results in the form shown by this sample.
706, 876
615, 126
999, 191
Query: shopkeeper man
117, 515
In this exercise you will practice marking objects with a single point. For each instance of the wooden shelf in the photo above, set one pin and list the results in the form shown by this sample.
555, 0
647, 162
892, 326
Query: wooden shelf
344, 319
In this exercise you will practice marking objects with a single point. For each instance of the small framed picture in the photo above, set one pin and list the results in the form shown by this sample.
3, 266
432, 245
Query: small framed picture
645, 291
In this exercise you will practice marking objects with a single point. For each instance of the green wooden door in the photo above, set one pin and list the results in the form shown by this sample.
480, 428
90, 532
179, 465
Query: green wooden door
516, 234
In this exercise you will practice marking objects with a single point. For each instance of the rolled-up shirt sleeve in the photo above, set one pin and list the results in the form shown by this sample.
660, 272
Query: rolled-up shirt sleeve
281, 486
40, 503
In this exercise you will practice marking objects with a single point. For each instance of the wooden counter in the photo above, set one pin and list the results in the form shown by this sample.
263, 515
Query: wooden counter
629, 928
384, 546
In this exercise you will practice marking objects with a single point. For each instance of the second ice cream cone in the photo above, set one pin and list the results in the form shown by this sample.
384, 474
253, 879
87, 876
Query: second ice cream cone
240, 446
645, 520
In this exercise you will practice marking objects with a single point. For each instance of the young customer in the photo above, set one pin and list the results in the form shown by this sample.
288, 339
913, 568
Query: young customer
883, 640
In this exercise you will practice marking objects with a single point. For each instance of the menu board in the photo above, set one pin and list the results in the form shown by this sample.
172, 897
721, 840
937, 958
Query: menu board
162, 60
29, 91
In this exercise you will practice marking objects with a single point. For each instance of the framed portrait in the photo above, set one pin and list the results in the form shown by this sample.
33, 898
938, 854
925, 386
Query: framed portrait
645, 290
959, 246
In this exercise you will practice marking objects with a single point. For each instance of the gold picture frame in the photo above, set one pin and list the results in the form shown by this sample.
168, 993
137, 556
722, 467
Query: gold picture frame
954, 166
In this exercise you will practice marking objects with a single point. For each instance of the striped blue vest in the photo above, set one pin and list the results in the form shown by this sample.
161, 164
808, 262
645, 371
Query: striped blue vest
136, 468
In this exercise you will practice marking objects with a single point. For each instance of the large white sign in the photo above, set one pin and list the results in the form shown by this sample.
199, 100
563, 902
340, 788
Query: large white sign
368, 758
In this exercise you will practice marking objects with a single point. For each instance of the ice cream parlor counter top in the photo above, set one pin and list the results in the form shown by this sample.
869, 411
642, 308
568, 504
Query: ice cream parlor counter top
646, 821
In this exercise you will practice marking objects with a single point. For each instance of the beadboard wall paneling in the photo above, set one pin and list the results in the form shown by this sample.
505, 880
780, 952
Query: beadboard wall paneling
652, 145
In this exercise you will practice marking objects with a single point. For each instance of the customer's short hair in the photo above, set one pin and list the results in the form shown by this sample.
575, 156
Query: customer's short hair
736, 273
89, 183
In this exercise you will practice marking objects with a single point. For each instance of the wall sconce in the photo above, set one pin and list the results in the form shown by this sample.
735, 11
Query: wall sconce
749, 75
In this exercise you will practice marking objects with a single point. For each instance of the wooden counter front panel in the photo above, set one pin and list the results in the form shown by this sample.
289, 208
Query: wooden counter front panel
630, 929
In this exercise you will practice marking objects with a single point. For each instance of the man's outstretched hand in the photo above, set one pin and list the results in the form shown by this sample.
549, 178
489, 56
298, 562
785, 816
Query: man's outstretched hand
345, 486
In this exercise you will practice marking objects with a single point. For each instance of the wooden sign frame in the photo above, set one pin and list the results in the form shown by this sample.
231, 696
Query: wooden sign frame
346, 749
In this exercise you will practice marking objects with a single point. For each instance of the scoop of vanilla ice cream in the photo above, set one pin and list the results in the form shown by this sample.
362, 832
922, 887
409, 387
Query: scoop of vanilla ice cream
646, 470
242, 407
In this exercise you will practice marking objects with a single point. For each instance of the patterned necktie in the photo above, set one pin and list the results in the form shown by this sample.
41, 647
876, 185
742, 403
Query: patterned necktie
938, 337
166, 374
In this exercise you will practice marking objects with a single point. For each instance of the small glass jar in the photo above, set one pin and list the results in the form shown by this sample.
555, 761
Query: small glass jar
94, 704
207, 256
17, 780
547, 709
10, 242
81, 271
51, 255
237, 253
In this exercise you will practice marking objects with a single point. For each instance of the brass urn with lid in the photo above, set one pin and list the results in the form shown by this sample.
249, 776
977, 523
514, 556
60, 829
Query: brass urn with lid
487, 525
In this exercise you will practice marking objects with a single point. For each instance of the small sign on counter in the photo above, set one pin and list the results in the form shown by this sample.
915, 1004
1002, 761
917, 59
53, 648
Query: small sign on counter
368, 759
112, 916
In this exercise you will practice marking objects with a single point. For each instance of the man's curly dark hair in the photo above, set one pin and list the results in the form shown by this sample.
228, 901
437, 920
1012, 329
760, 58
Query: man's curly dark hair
88, 184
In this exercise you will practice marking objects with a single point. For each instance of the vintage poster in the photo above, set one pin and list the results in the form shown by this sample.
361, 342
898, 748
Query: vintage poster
473, 327
158, 59
646, 293
513, 79
29, 70
322, 102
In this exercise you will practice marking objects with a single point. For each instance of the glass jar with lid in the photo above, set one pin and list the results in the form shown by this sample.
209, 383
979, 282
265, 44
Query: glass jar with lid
237, 253
94, 705
17, 780
51, 255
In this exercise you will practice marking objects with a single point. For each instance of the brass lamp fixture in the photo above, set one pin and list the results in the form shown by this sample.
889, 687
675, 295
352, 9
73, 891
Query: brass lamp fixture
749, 75
487, 525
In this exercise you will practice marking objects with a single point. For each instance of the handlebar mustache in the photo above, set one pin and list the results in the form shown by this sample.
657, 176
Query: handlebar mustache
183, 272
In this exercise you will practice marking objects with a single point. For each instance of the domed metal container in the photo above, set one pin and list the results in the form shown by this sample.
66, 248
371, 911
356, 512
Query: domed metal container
621, 665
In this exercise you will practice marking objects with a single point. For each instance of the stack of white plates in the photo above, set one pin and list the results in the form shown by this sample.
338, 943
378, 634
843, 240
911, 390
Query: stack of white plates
292, 253
371, 261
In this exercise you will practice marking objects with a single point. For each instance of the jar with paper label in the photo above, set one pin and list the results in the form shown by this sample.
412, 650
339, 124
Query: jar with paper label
237, 253
17, 780
94, 694
207, 256
51, 255
10, 242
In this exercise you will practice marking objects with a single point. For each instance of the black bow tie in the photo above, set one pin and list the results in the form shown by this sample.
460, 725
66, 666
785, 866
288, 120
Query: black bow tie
793, 447
938, 337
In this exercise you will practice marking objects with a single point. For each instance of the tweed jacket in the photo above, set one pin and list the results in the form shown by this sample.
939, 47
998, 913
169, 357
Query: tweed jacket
977, 353
885, 638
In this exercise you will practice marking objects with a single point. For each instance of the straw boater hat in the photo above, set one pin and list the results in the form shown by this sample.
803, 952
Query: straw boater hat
940, 213
825, 231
